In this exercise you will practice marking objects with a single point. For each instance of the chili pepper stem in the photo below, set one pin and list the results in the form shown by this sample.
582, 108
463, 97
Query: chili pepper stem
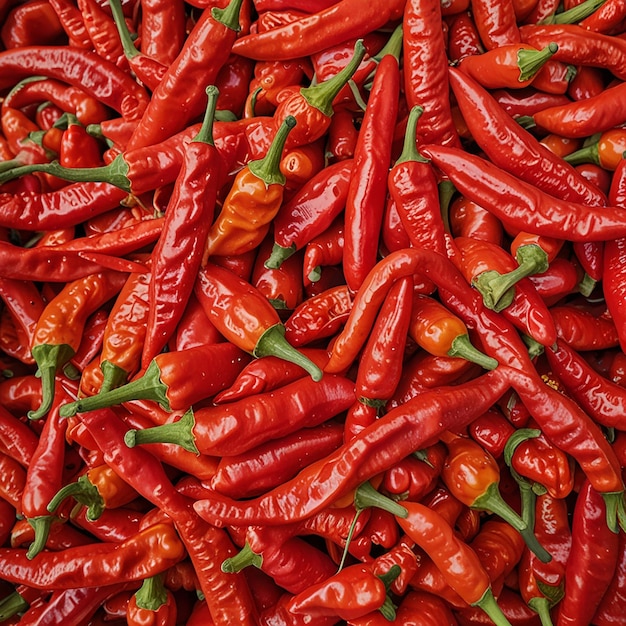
497, 288
531, 61
273, 343
366, 496
205, 134
112, 376
267, 169
575, 14
446, 193
152, 594
84, 492
12, 605
615, 510
492, 500
41, 525
409, 147
388, 608
245, 557
146, 387
586, 285
49, 359
462, 347
228, 16
321, 96
489, 605
126, 40
279, 255
587, 154
114, 173
179, 433
541, 606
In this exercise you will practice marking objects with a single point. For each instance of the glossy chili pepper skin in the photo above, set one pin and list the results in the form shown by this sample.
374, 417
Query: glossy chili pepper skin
496, 23
581, 330
474, 177
609, 612
322, 482
152, 604
238, 427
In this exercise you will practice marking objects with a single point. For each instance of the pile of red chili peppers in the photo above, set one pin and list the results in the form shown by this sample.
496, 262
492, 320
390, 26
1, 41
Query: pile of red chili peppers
312, 312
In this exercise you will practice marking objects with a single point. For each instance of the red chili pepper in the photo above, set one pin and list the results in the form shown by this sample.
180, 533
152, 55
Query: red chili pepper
609, 611
14, 479
72, 23
325, 250
607, 151
317, 31
469, 219
463, 37
395, 435
153, 603
162, 30
425, 72
229, 300
531, 209
581, 330
179, 97
102, 32
195, 328
342, 137
554, 77
526, 102
17, 439
604, 19
30, 24
492, 431
496, 22
255, 420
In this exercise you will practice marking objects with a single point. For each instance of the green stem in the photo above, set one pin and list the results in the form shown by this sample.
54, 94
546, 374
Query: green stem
205, 134
128, 45
114, 173
321, 96
112, 376
83, 491
228, 16
491, 500
462, 347
388, 608
50, 358
531, 61
575, 14
279, 255
541, 606
496, 288
586, 285
146, 387
615, 510
41, 525
273, 343
244, 558
518, 437
446, 193
267, 169
366, 497
179, 433
409, 148
586, 154
152, 594
12, 605
489, 605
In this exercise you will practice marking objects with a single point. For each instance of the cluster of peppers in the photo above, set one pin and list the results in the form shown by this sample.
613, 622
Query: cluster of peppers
313, 312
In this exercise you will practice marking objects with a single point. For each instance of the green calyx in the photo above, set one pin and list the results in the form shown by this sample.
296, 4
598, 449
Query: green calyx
147, 387
41, 525
115, 173
497, 289
228, 16
152, 594
489, 605
462, 347
205, 134
84, 492
273, 343
50, 358
586, 154
321, 96
388, 608
492, 500
128, 45
112, 376
279, 255
531, 61
179, 433
409, 148
267, 169
244, 558
615, 510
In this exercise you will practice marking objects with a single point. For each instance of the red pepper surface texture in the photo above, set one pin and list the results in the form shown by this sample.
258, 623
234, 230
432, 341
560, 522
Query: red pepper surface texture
267, 267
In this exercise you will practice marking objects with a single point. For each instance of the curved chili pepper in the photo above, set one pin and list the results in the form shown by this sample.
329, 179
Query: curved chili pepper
529, 208
179, 96
255, 420
228, 300
153, 603
162, 30
178, 253
317, 31
560, 279
325, 250
14, 480
458, 563
310, 211
425, 72
252, 202
395, 435
581, 330
526, 102
97, 489
469, 219
57, 335
472, 475
17, 439
166, 380
463, 37
592, 561
496, 23
492, 128
300, 164
609, 611
103, 33
492, 431
511, 66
